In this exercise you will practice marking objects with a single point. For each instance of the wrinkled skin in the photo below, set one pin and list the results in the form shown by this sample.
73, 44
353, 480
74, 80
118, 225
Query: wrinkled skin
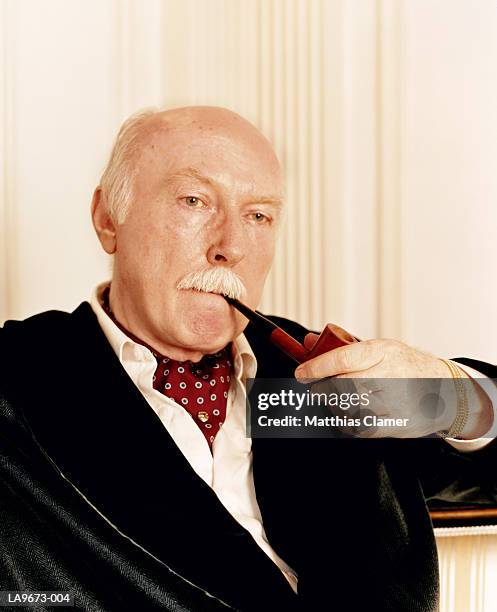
376, 360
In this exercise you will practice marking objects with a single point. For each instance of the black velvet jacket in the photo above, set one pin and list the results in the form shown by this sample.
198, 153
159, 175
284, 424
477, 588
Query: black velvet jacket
96, 499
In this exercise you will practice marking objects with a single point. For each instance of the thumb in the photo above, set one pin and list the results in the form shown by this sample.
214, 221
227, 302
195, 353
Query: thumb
310, 340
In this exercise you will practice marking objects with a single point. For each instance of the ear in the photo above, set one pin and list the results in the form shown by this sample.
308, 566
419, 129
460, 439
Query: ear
102, 222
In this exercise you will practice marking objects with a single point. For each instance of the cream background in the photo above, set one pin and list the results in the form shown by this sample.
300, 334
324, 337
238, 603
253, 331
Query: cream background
384, 113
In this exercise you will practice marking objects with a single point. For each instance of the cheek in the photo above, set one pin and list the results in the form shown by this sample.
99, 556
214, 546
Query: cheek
264, 250
181, 228
260, 261
162, 236
142, 252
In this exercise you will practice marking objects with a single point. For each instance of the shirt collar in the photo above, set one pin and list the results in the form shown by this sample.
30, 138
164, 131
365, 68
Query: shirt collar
126, 349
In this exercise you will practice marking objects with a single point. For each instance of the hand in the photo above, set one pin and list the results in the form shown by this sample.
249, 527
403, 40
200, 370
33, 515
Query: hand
425, 406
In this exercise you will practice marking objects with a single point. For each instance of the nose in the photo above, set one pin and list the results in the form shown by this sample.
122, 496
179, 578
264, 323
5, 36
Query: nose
227, 245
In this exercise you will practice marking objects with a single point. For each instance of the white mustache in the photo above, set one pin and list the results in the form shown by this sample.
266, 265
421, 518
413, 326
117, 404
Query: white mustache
214, 280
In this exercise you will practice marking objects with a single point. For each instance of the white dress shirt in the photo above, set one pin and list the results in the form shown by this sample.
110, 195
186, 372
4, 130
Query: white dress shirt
228, 470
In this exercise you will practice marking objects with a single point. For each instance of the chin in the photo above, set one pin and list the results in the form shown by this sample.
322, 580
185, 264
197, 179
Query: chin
212, 343
209, 336
207, 322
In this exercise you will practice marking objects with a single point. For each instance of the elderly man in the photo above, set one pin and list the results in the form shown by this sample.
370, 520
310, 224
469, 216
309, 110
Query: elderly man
126, 476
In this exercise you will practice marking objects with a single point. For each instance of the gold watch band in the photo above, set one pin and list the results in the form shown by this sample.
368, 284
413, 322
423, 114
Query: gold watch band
461, 419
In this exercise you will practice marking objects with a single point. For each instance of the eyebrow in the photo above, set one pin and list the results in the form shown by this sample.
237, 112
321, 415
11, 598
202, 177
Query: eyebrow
278, 202
191, 172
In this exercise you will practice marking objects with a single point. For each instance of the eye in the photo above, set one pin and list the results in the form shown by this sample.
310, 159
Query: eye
260, 218
193, 202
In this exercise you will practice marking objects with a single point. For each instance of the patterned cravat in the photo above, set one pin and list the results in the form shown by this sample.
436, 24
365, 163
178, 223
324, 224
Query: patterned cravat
201, 388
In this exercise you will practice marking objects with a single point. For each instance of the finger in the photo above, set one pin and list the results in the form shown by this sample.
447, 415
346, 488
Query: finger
344, 360
310, 340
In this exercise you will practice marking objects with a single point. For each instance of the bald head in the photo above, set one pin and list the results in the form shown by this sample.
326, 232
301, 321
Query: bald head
205, 128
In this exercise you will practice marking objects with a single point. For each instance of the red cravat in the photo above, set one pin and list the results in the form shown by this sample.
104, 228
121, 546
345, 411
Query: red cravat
201, 388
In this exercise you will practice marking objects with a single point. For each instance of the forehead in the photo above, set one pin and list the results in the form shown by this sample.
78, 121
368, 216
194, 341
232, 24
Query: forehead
235, 158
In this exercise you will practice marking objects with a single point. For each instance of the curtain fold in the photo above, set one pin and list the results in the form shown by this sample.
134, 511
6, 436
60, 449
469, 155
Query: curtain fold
468, 568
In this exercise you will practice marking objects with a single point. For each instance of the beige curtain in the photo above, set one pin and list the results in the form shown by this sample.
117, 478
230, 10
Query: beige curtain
468, 569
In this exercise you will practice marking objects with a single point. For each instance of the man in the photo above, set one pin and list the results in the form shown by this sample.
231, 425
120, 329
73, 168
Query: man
127, 479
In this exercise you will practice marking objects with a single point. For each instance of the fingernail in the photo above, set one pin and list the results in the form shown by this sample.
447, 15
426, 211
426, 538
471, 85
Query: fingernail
301, 373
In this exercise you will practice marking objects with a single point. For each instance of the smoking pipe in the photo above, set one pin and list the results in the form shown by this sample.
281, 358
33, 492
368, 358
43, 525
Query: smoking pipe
330, 338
